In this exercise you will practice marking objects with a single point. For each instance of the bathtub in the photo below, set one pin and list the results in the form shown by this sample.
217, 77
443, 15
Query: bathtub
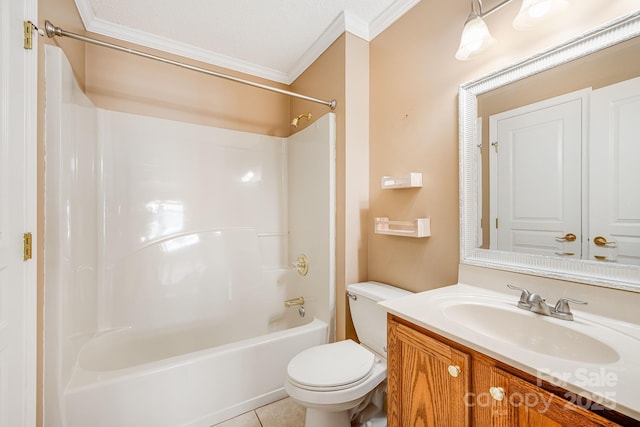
192, 376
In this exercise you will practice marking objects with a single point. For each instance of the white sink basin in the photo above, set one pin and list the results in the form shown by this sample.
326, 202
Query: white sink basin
593, 355
541, 334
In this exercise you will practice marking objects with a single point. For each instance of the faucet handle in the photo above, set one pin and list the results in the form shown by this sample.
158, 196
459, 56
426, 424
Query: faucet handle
562, 306
524, 296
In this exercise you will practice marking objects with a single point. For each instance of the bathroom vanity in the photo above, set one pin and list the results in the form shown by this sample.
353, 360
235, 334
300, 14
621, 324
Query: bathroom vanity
443, 383
480, 353
463, 355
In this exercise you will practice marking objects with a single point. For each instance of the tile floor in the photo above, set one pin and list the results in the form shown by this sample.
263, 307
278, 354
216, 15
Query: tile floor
282, 413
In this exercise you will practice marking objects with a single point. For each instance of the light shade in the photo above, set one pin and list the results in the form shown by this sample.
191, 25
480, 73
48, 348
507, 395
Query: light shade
475, 38
534, 11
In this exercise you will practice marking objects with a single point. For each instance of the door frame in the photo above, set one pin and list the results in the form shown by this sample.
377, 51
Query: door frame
22, 98
30, 123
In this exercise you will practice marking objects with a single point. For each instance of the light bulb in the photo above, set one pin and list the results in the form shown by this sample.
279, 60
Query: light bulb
534, 11
475, 38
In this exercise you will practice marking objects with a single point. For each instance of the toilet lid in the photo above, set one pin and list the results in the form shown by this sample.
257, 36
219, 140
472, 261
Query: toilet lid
331, 365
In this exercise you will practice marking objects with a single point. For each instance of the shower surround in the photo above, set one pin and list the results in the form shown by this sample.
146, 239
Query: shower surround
167, 262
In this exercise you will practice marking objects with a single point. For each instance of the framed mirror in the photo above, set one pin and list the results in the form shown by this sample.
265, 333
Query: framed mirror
538, 81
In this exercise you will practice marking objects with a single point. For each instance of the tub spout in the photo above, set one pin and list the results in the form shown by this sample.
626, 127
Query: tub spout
294, 301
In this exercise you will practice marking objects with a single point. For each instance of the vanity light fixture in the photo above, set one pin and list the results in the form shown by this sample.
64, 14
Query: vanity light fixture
476, 37
534, 11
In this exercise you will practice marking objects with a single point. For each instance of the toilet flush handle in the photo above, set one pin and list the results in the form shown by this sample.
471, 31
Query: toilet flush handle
352, 296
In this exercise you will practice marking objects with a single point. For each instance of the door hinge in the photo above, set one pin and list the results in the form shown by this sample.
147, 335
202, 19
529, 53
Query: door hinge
28, 34
28, 244
496, 222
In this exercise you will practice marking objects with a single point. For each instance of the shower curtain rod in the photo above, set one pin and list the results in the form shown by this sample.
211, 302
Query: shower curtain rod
53, 31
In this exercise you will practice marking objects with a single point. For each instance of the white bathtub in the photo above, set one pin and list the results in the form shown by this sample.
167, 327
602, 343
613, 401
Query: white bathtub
181, 377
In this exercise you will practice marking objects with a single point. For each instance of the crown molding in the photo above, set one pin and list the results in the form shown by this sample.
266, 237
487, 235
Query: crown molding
344, 22
87, 14
331, 34
164, 44
356, 26
389, 16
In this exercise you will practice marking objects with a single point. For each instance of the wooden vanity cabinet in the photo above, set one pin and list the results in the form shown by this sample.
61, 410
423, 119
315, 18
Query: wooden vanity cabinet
423, 374
432, 381
502, 399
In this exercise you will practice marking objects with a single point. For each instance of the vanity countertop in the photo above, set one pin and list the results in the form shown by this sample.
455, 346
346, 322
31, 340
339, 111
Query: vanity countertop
613, 381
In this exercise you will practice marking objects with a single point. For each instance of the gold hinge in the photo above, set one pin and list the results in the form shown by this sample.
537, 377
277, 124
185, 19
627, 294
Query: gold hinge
28, 239
28, 35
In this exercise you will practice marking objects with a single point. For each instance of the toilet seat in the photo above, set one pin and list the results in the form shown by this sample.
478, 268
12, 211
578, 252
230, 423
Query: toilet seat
331, 367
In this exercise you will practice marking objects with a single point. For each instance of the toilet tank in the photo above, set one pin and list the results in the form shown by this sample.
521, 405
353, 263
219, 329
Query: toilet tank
369, 319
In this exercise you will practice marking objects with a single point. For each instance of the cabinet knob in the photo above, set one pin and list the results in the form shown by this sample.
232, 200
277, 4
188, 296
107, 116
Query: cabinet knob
454, 370
496, 392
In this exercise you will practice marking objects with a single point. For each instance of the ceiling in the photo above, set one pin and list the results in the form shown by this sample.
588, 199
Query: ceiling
273, 39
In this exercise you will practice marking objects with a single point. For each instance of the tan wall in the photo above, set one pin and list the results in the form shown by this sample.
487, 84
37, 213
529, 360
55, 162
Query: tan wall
63, 13
325, 79
414, 81
341, 73
123, 82
414, 123
356, 215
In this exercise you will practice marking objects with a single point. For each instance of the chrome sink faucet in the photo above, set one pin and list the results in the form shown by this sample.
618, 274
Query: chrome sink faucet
535, 303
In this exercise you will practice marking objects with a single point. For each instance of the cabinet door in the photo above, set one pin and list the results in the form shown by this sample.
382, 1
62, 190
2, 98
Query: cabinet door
488, 409
517, 403
428, 381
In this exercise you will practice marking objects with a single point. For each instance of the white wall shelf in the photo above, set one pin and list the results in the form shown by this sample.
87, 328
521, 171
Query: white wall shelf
410, 180
420, 227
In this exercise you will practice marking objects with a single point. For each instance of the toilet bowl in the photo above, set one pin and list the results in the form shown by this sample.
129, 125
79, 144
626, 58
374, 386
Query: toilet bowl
345, 381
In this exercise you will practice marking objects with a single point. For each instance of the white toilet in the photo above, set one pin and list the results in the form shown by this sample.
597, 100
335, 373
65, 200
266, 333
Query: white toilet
345, 381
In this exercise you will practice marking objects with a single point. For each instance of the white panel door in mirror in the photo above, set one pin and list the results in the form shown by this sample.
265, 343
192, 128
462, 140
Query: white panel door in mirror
535, 168
614, 150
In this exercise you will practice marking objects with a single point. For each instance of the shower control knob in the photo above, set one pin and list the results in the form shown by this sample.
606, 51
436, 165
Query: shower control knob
301, 265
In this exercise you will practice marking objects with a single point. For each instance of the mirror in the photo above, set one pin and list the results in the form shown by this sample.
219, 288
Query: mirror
587, 61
